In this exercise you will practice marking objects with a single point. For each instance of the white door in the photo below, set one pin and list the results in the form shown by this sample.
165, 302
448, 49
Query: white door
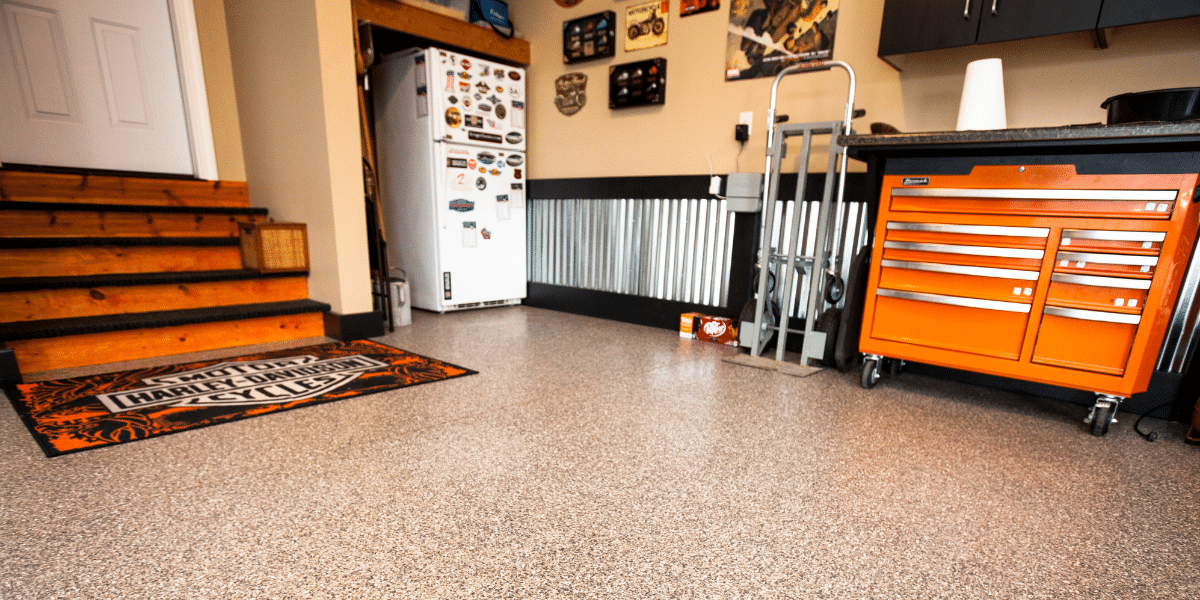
91, 84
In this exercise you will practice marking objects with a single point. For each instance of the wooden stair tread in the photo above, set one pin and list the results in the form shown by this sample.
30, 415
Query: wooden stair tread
95, 207
7, 243
129, 279
32, 186
50, 328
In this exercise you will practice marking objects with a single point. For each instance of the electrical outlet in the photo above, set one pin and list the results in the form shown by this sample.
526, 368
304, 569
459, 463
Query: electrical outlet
714, 185
741, 132
747, 119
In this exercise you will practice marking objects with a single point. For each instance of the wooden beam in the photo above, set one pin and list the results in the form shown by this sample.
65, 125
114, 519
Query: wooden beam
442, 29
24, 186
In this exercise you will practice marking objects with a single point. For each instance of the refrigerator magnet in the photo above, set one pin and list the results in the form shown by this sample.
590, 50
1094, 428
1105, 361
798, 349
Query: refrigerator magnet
468, 234
503, 208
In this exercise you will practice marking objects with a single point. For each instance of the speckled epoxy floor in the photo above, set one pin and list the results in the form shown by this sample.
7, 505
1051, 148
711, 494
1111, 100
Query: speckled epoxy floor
593, 459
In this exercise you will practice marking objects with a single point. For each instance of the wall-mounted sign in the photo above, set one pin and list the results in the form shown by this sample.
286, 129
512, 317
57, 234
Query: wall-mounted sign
646, 25
767, 36
590, 37
688, 8
637, 83
570, 93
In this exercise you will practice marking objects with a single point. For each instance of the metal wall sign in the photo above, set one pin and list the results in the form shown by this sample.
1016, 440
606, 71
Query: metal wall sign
570, 93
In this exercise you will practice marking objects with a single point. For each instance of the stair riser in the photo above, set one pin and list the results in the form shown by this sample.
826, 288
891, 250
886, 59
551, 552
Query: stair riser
102, 348
64, 223
101, 260
91, 189
111, 300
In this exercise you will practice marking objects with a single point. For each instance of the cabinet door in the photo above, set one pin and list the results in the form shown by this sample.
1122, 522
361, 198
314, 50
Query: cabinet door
1128, 12
1003, 20
915, 25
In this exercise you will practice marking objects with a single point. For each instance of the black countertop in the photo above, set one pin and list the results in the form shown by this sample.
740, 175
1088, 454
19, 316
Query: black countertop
1155, 134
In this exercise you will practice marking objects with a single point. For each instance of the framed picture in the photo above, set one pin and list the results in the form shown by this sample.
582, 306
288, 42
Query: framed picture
766, 36
688, 8
637, 83
646, 25
589, 37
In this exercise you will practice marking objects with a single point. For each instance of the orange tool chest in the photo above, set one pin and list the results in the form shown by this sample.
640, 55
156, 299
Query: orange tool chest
1031, 272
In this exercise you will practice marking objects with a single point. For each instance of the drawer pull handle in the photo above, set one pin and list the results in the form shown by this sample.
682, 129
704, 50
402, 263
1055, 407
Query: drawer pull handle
962, 270
955, 300
972, 250
1093, 315
1109, 259
1114, 282
1031, 194
972, 229
1114, 236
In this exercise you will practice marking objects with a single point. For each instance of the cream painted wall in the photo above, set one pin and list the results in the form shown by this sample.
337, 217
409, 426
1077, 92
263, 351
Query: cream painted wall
218, 81
696, 123
1059, 80
293, 66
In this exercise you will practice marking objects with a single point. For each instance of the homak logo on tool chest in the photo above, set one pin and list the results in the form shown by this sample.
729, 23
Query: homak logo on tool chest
266, 381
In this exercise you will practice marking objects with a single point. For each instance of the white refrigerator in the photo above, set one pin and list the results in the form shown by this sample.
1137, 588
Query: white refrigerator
450, 140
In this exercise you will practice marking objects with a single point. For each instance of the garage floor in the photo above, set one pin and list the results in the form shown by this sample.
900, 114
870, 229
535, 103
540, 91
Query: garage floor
595, 459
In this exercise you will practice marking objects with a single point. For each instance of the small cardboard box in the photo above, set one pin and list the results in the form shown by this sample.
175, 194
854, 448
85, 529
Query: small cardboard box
717, 329
687, 325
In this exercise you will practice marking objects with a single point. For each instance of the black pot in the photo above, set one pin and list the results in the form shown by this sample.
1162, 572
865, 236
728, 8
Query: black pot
1179, 104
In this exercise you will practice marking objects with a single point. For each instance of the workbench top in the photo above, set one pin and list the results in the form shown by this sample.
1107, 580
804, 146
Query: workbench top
1095, 134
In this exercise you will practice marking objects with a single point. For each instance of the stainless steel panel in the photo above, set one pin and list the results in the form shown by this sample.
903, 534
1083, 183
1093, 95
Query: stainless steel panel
1040, 194
971, 250
971, 229
1092, 280
962, 270
1108, 259
955, 300
1093, 315
1114, 236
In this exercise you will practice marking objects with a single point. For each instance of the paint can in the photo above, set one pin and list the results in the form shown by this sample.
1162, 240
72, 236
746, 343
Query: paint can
401, 303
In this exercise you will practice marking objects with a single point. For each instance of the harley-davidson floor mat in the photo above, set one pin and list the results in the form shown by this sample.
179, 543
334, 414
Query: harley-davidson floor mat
70, 415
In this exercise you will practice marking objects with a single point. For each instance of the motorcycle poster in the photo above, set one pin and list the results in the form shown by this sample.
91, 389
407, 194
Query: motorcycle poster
646, 25
766, 36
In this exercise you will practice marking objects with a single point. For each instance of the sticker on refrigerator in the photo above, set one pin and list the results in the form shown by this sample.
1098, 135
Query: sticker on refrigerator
518, 196
462, 205
453, 117
487, 235
513, 137
460, 182
469, 234
518, 114
458, 159
475, 121
486, 158
484, 137
501, 112
481, 184
446, 285
503, 208
450, 79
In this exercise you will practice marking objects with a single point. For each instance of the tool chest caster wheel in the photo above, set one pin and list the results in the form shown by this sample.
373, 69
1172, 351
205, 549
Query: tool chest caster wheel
895, 365
870, 374
1103, 414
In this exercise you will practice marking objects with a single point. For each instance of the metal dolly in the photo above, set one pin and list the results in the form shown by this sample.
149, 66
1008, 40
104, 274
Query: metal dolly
825, 260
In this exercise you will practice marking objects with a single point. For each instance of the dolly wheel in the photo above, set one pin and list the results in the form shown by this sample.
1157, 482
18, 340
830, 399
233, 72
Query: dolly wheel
870, 374
1102, 415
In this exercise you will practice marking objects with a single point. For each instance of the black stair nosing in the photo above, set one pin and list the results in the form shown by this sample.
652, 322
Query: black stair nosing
99, 207
52, 328
21, 284
12, 243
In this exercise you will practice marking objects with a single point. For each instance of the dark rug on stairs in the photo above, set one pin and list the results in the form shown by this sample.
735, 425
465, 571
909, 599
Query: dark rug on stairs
82, 413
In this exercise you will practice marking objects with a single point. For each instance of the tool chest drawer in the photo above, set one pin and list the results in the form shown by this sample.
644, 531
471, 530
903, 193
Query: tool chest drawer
1031, 272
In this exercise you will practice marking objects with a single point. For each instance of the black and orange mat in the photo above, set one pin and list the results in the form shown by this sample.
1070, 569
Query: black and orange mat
70, 415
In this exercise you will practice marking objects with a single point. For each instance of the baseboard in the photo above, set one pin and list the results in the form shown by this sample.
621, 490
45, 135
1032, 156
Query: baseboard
357, 326
9, 373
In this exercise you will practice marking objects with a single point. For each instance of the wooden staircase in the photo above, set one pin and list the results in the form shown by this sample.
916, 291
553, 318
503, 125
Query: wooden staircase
96, 270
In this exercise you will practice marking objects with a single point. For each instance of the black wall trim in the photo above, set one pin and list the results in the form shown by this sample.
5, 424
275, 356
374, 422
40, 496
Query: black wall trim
638, 310
357, 326
677, 186
9, 373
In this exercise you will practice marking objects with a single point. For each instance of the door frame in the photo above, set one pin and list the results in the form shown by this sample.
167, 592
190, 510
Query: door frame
195, 96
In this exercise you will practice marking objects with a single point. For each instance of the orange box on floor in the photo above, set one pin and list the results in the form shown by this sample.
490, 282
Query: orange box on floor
687, 325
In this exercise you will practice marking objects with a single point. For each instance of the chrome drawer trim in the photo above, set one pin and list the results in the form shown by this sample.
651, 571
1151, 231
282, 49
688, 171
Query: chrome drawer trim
1114, 236
1040, 194
1092, 280
1093, 315
971, 229
972, 250
955, 300
962, 270
1109, 259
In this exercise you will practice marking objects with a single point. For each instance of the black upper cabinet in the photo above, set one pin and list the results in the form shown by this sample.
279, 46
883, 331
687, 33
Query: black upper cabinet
1004, 20
1115, 13
916, 25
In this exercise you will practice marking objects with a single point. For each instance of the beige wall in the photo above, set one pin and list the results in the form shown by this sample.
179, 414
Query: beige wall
696, 123
1059, 80
218, 81
293, 66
